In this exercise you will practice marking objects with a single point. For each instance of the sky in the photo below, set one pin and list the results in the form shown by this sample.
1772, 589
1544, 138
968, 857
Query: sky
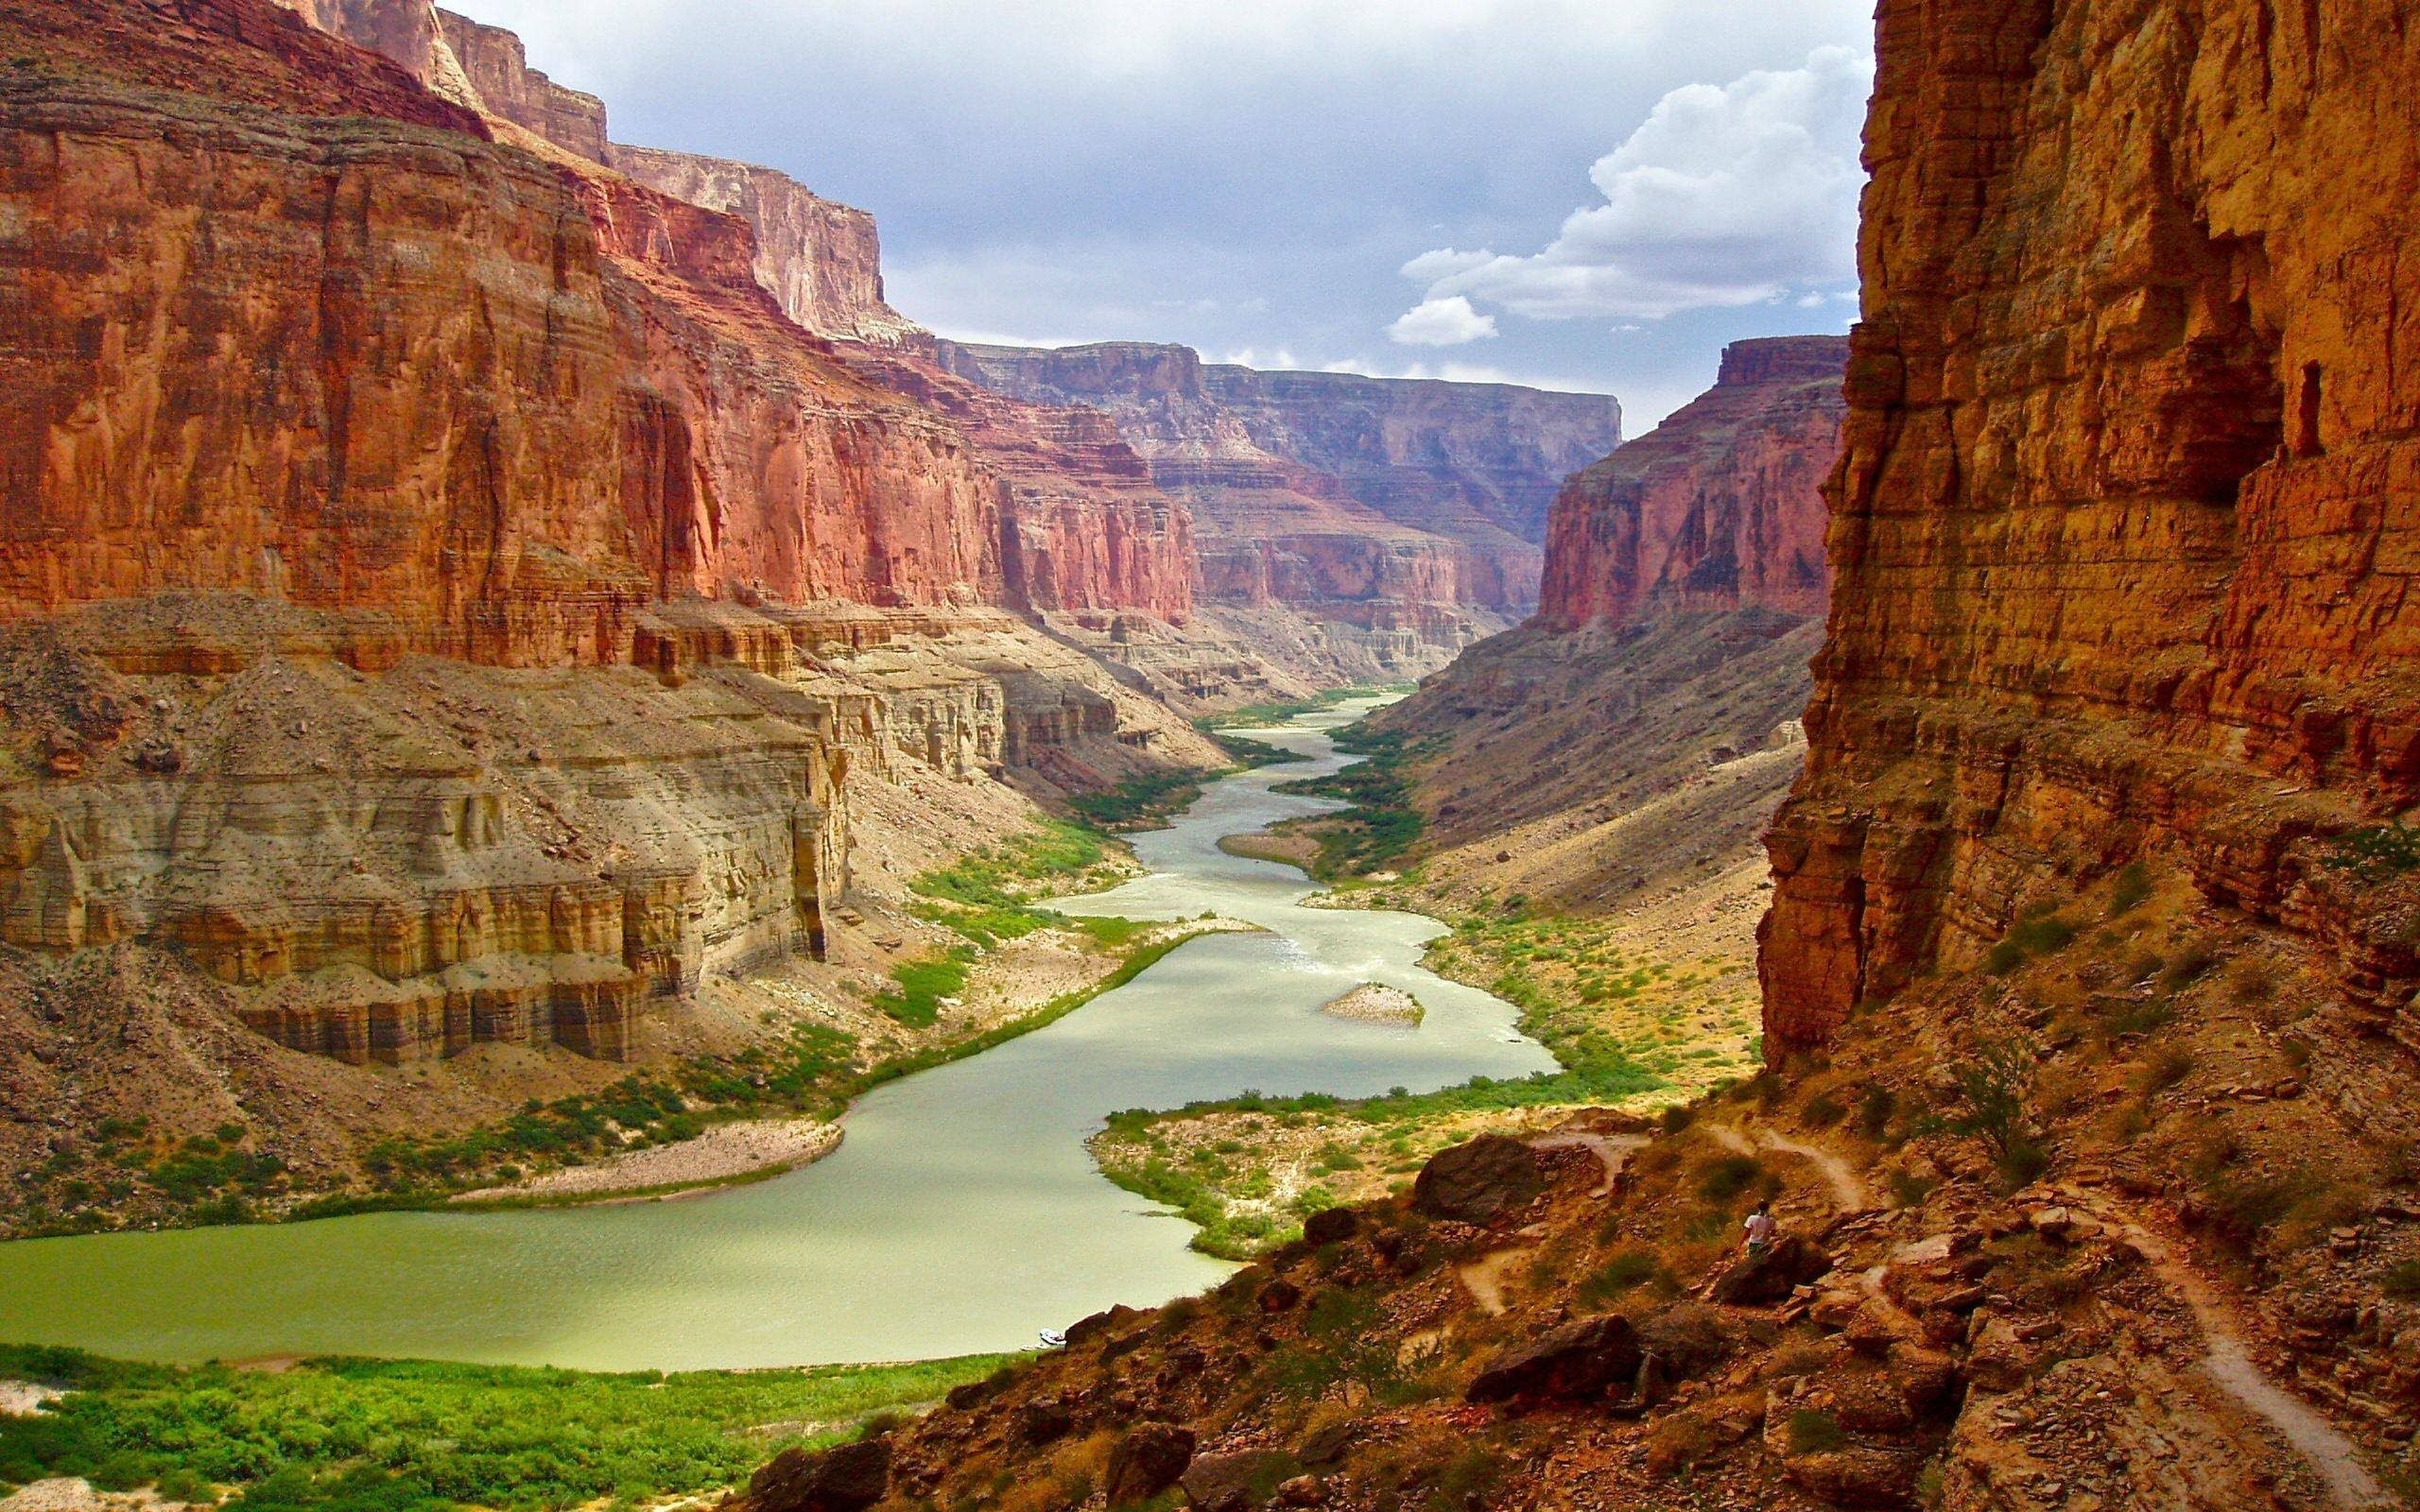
1591, 195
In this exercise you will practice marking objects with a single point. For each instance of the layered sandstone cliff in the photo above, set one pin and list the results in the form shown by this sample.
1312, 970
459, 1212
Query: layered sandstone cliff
329, 397
1069, 520
2122, 526
1395, 509
1719, 507
823, 261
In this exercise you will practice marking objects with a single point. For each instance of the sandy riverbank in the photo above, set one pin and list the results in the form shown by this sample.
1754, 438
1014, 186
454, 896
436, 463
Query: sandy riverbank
727, 1152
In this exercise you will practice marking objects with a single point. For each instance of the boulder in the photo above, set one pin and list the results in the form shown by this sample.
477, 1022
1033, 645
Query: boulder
1237, 1481
1575, 1361
846, 1479
1147, 1461
1041, 1422
1784, 1266
1331, 1225
1478, 1181
1097, 1325
1857, 1477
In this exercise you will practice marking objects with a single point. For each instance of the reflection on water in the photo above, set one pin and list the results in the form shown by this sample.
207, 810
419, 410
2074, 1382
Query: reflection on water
962, 1214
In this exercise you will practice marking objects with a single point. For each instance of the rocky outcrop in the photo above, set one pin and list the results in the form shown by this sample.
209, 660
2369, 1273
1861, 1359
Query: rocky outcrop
1719, 507
491, 62
1391, 509
2119, 530
1639, 731
1059, 515
823, 261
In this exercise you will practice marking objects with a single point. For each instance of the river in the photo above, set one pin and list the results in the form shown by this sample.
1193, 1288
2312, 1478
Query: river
962, 1214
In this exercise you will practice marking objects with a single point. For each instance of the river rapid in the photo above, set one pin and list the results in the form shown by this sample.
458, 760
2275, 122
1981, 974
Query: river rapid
961, 1214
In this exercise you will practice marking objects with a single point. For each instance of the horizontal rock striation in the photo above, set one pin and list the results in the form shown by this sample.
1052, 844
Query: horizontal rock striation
2121, 528
1719, 507
491, 62
1390, 510
823, 261
1476, 463
482, 587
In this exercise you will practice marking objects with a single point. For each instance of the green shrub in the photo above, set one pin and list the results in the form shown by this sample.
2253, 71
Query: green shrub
2130, 889
1626, 1271
2376, 853
1875, 1107
391, 1435
1726, 1177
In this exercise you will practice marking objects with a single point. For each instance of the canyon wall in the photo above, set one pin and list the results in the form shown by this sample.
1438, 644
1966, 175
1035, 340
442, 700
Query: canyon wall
1665, 667
1719, 507
2122, 528
823, 261
1392, 511
1473, 462
491, 62
1071, 521
448, 595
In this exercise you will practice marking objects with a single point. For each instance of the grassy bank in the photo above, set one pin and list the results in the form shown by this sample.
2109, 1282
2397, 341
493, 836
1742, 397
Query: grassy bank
1627, 1029
378, 1436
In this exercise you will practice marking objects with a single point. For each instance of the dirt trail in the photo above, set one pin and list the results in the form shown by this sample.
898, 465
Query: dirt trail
1848, 1189
2228, 1362
1614, 1151
1484, 1278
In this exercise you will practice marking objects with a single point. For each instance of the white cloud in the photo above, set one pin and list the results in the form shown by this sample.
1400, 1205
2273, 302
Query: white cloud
1443, 322
1724, 195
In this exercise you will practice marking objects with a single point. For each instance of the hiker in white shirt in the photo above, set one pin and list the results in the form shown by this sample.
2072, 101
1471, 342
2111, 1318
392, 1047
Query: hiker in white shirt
1760, 1229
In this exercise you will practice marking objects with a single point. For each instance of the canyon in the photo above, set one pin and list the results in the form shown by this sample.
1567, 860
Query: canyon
2084, 1096
2117, 528
1948, 789
1665, 667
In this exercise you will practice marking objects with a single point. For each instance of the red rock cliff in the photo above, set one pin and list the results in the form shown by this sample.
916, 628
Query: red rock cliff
492, 60
1068, 520
1374, 503
2124, 528
823, 261
1719, 508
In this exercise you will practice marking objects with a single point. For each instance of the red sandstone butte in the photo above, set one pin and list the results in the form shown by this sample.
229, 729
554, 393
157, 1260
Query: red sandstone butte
2125, 523
1719, 507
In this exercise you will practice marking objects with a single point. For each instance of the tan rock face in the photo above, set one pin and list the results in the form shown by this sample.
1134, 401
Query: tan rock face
823, 261
492, 61
1719, 507
2128, 486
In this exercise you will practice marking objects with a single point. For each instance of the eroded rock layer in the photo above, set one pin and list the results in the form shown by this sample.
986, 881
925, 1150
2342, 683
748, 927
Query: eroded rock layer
1719, 507
449, 591
823, 261
1392, 510
2123, 525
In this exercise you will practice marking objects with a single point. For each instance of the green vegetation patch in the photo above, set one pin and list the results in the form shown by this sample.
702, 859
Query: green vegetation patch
1620, 1025
1288, 711
1381, 824
402, 1435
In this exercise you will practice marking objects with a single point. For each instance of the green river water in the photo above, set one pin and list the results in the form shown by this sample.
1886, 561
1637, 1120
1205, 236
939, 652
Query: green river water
962, 1214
